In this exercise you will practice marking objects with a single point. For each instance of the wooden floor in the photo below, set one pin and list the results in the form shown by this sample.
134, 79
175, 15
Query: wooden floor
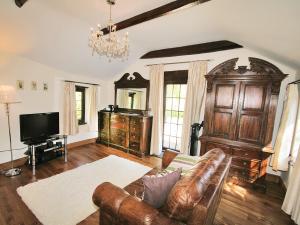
239, 206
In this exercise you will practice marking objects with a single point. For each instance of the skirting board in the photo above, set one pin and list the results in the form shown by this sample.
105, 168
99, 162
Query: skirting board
22, 161
81, 143
276, 179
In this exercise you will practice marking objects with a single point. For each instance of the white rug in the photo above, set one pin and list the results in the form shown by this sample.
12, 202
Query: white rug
66, 198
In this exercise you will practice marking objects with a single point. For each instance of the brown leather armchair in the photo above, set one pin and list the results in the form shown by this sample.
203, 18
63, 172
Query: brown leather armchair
193, 200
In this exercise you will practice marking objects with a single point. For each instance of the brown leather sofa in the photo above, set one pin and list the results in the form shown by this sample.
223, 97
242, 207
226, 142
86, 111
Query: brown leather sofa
193, 200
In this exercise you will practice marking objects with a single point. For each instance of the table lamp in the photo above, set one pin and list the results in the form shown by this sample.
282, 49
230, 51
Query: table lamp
8, 96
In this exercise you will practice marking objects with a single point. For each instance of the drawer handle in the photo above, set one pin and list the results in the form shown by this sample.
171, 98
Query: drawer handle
246, 154
245, 163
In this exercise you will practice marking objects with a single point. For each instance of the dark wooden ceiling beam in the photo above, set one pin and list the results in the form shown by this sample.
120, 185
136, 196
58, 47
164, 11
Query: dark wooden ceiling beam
155, 13
192, 49
20, 3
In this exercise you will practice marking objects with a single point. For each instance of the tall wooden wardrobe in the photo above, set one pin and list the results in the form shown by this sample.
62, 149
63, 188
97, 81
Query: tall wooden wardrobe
240, 112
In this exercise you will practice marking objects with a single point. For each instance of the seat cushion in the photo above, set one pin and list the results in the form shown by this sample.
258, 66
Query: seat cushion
189, 190
157, 187
186, 162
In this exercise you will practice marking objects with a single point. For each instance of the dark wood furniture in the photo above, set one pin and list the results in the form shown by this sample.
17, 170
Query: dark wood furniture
240, 112
125, 131
134, 80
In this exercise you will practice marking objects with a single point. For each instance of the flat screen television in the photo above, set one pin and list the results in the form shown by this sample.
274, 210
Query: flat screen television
38, 127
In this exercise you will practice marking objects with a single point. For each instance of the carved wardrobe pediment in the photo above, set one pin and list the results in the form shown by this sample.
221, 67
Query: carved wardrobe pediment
259, 70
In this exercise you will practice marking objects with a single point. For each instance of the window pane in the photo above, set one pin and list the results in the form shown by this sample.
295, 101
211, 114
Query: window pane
179, 130
174, 118
180, 118
78, 96
168, 103
175, 105
169, 90
183, 91
78, 106
178, 143
181, 104
174, 109
78, 115
176, 91
166, 141
173, 130
168, 116
173, 142
167, 129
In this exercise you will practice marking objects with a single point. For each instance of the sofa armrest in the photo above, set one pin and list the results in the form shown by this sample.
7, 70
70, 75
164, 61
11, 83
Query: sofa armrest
128, 209
168, 156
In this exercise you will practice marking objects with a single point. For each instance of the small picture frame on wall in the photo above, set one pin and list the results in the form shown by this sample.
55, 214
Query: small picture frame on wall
20, 84
33, 85
45, 86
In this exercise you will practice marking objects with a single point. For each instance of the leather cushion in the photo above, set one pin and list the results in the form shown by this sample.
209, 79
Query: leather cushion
189, 190
158, 187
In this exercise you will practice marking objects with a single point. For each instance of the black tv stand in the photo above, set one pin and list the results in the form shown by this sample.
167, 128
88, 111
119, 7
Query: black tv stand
38, 146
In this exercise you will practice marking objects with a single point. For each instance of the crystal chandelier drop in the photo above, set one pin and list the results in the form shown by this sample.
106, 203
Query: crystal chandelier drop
109, 45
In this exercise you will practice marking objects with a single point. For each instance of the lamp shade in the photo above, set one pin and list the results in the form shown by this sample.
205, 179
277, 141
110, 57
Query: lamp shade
8, 94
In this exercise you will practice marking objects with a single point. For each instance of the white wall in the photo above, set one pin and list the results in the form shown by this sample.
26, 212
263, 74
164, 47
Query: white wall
217, 58
13, 68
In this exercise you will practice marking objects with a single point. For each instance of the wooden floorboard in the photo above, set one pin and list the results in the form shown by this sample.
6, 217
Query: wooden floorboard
239, 205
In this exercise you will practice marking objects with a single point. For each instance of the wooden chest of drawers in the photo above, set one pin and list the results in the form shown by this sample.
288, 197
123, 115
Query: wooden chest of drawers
127, 132
248, 163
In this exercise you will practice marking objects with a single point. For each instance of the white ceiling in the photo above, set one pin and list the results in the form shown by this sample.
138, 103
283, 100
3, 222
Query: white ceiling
55, 32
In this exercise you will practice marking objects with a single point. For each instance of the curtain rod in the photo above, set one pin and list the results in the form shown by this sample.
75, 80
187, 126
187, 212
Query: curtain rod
71, 81
294, 82
171, 63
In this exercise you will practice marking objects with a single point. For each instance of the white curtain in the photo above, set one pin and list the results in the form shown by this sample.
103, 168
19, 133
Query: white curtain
92, 108
156, 105
288, 137
291, 204
195, 101
70, 120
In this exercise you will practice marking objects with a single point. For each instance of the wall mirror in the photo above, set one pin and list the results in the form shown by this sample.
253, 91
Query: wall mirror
132, 98
132, 92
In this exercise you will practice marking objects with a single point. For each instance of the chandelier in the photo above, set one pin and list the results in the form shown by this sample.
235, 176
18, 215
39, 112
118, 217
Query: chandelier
109, 45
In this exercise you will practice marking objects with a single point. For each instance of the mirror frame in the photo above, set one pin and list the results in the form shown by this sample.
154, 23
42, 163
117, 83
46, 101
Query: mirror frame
133, 81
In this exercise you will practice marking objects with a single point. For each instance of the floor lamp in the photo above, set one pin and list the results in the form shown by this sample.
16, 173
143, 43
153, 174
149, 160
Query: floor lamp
8, 97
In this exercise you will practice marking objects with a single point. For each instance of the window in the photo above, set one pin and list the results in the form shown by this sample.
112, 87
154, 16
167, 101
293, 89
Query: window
80, 104
174, 102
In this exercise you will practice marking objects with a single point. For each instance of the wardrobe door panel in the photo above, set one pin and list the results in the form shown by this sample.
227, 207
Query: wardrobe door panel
224, 109
224, 96
254, 97
250, 128
252, 114
222, 122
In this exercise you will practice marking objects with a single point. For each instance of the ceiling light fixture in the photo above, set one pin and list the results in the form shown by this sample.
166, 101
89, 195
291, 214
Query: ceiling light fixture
109, 45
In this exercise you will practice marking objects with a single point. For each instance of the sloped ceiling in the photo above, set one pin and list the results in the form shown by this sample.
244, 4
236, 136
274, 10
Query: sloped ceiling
55, 32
